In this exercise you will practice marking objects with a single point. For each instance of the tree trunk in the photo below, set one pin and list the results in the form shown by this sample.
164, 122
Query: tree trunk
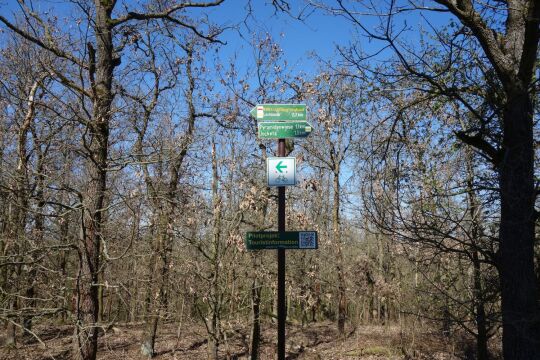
101, 74
165, 205
39, 230
150, 332
255, 310
519, 294
64, 233
23, 202
482, 352
101, 296
342, 299
161, 268
215, 295
256, 288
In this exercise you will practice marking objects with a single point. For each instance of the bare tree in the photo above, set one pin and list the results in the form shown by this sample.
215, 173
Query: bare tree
494, 44
97, 64
337, 102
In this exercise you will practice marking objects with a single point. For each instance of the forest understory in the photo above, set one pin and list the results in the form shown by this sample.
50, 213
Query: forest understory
313, 341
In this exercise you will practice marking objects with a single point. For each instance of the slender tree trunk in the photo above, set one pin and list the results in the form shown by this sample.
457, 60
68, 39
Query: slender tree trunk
38, 230
255, 284
166, 209
101, 75
256, 288
520, 313
342, 298
150, 332
160, 296
150, 287
215, 296
256, 312
23, 201
482, 352
64, 232
101, 295
380, 267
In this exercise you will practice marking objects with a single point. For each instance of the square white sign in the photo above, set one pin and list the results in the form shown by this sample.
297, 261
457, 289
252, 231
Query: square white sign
281, 171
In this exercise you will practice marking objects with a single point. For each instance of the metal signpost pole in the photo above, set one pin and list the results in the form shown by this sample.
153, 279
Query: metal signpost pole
281, 305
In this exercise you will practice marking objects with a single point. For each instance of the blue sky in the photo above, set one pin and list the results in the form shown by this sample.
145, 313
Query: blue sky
319, 33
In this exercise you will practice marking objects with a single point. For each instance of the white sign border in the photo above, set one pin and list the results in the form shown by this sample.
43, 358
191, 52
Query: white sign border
275, 158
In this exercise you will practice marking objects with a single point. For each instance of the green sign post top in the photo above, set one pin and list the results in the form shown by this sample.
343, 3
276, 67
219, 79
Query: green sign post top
279, 112
283, 130
281, 240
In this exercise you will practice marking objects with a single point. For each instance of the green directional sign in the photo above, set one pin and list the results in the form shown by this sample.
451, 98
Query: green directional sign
279, 112
281, 240
283, 130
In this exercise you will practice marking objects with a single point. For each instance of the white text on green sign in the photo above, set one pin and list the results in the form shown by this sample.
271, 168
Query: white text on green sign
279, 112
281, 240
283, 130
281, 171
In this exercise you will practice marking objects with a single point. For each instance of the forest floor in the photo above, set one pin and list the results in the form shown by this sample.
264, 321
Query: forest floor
313, 341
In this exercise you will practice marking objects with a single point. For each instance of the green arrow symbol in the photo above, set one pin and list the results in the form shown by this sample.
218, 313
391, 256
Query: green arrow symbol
253, 112
279, 166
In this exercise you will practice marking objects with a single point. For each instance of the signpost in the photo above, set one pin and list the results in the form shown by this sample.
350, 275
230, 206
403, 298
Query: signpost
283, 130
281, 240
281, 121
281, 112
281, 301
281, 171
